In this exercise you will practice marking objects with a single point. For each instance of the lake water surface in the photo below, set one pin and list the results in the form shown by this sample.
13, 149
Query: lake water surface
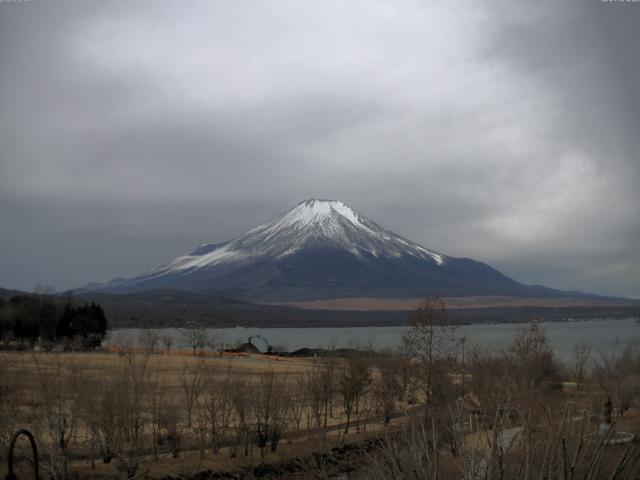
601, 334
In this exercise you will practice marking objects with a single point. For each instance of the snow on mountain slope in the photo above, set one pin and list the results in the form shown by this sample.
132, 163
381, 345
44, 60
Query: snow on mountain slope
310, 223
321, 249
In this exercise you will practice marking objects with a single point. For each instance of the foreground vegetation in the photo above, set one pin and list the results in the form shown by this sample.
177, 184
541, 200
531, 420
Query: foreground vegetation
427, 411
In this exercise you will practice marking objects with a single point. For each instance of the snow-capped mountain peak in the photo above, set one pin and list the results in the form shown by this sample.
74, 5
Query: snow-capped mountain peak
311, 223
314, 210
320, 249
327, 215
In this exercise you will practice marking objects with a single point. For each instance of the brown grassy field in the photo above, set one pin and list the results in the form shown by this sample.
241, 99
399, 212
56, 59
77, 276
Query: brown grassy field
407, 304
70, 386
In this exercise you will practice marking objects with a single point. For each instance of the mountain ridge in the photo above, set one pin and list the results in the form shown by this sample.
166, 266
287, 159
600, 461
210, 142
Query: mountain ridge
323, 249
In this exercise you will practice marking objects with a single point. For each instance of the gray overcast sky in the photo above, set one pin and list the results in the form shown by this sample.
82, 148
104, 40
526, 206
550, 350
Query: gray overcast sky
130, 131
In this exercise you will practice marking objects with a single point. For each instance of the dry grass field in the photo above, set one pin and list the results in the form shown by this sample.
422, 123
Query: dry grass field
407, 304
130, 413
176, 414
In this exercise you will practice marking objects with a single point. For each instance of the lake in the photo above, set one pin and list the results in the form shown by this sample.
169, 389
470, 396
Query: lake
601, 334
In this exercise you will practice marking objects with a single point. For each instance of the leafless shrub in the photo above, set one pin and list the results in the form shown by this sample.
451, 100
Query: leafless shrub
413, 452
55, 412
617, 372
507, 445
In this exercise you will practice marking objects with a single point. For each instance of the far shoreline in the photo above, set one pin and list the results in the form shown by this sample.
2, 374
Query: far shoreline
333, 327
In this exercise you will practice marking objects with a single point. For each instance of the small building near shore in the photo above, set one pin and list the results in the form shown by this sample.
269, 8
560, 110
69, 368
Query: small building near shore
246, 347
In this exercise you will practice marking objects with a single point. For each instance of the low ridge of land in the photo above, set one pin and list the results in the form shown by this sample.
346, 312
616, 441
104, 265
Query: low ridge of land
370, 303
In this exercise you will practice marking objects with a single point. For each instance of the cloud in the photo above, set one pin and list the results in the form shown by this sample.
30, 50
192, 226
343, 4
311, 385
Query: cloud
132, 131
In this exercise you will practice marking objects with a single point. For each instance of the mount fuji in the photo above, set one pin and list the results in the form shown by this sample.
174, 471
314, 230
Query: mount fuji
322, 249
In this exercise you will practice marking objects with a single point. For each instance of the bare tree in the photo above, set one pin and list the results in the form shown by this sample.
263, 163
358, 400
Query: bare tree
320, 385
387, 387
149, 340
215, 342
487, 378
167, 341
157, 406
191, 380
299, 402
430, 340
269, 412
129, 413
56, 411
218, 404
100, 414
352, 380
195, 337
9, 402
240, 397
530, 356
581, 355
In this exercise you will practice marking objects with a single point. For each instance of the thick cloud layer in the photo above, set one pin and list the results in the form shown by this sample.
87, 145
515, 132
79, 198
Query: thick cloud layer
131, 131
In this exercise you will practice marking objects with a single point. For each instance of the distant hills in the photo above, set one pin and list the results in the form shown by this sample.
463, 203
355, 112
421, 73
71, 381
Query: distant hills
174, 309
324, 249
